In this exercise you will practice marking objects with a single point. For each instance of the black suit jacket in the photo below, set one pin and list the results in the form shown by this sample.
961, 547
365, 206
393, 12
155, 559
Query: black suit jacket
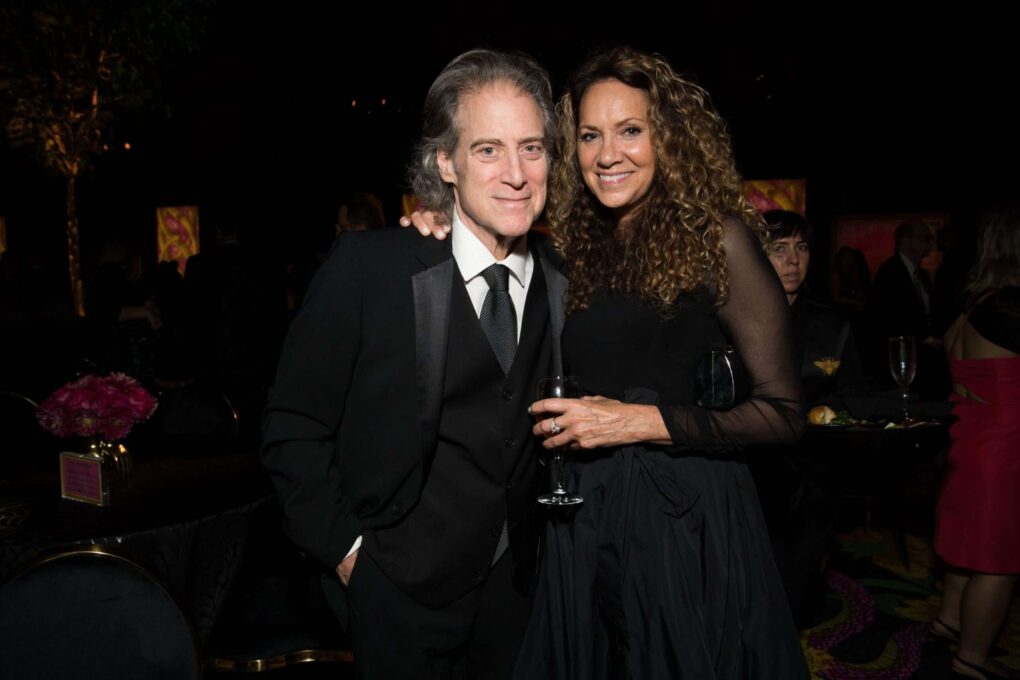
351, 427
819, 335
896, 309
896, 306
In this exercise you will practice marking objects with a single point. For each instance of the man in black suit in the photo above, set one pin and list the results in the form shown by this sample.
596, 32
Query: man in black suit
397, 435
901, 305
902, 288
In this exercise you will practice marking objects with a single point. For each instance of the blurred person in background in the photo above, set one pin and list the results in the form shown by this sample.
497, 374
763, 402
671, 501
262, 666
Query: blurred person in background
976, 531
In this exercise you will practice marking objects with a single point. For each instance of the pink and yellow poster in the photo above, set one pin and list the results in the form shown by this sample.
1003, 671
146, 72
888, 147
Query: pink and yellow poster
177, 234
408, 204
777, 194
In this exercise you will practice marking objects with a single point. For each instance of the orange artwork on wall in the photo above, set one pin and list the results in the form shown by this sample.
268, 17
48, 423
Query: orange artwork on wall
408, 204
177, 234
777, 194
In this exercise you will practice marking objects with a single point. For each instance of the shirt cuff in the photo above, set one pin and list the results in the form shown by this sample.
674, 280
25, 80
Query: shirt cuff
354, 548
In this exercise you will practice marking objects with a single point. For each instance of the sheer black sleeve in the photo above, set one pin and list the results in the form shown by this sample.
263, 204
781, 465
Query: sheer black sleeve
756, 320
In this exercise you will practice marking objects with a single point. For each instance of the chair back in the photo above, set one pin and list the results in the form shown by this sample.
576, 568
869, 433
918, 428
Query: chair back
90, 613
197, 410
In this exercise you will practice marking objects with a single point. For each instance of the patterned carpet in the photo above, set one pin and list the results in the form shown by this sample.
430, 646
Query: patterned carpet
873, 620
871, 623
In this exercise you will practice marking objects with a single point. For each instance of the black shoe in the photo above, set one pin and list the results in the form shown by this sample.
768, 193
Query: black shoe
985, 673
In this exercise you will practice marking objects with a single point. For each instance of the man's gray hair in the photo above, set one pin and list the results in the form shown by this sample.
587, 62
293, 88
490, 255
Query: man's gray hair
466, 74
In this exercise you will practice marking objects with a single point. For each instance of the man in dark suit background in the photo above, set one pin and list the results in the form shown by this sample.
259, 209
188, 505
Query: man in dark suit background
901, 305
360, 212
235, 316
397, 434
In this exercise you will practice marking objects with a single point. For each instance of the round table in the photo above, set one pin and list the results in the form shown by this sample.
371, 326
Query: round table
186, 519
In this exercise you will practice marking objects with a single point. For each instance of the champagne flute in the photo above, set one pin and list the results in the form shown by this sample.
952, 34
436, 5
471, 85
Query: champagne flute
903, 365
559, 386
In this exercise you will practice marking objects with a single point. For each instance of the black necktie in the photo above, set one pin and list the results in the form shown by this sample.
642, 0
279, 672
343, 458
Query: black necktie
499, 321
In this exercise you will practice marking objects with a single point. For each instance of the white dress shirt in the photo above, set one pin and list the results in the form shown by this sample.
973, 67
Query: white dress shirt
473, 258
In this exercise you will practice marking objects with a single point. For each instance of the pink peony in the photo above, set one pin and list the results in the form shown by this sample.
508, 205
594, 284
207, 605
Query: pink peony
86, 423
54, 418
117, 423
141, 403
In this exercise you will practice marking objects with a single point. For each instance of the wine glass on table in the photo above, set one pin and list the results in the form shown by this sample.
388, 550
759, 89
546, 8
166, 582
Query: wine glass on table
903, 366
560, 387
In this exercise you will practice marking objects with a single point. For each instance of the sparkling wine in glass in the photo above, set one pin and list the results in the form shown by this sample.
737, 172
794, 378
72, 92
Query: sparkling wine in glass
559, 386
903, 366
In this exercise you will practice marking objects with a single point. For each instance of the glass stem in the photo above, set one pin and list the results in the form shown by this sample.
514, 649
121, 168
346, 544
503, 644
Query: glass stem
556, 465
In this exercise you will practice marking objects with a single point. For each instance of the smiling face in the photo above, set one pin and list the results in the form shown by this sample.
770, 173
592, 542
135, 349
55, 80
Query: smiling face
614, 146
790, 258
500, 166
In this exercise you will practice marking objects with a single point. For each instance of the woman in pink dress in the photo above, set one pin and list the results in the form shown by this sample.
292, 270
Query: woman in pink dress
977, 532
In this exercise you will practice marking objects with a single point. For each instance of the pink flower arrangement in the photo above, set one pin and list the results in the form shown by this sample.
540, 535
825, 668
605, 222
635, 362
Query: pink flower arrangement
105, 406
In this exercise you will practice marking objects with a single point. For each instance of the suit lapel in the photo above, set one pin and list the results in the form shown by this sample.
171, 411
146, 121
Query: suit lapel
432, 288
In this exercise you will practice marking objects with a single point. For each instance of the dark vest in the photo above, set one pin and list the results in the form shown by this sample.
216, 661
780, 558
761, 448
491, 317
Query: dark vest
485, 469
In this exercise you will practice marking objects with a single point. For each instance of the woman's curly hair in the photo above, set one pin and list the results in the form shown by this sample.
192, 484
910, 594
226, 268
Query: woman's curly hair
674, 245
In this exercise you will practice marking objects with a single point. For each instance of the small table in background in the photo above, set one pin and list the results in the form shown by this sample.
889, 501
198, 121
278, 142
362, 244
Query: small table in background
877, 464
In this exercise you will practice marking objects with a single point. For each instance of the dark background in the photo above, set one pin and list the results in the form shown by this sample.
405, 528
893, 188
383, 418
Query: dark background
258, 126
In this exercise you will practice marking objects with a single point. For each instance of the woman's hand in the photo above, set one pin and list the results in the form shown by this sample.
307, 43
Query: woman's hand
596, 422
428, 222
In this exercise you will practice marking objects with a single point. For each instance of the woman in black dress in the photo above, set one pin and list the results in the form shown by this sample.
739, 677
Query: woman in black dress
665, 571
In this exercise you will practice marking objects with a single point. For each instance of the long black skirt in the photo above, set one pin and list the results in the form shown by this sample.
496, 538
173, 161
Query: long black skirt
664, 572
